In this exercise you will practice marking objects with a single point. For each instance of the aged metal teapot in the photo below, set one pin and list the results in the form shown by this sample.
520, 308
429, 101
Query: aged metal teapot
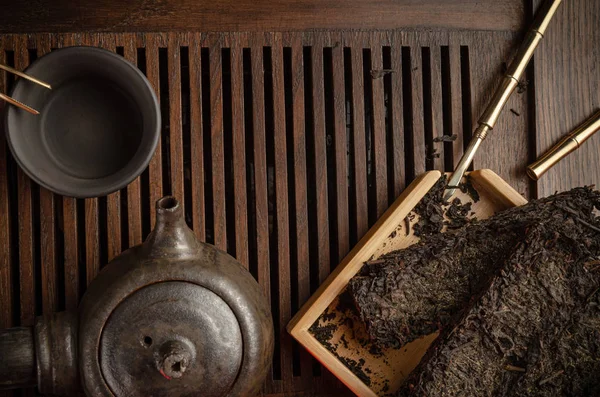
170, 317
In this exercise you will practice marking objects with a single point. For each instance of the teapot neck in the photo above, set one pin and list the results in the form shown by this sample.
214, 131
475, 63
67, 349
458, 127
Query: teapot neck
171, 236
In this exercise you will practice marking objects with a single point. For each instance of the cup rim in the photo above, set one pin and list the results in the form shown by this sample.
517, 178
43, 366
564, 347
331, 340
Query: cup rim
99, 189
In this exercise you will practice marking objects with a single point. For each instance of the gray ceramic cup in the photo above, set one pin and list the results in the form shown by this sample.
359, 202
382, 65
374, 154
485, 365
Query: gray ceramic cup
98, 127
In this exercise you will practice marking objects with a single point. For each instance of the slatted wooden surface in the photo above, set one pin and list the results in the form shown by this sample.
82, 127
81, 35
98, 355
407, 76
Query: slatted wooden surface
567, 87
284, 147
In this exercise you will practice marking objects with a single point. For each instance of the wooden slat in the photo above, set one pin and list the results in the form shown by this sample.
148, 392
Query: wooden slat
71, 253
239, 152
487, 53
397, 107
281, 208
92, 249
437, 122
379, 141
300, 203
113, 224
359, 140
26, 229
418, 130
134, 194
217, 146
456, 95
48, 258
113, 200
92, 223
49, 276
320, 166
70, 232
155, 166
567, 92
341, 150
175, 122
260, 170
6, 272
196, 138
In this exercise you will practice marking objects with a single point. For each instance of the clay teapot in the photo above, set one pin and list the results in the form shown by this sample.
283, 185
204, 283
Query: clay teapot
170, 317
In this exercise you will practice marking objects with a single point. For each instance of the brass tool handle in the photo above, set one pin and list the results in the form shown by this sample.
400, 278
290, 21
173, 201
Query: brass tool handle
488, 119
517, 67
568, 144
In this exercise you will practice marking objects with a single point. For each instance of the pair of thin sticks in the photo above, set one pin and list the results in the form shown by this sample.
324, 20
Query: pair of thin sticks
13, 101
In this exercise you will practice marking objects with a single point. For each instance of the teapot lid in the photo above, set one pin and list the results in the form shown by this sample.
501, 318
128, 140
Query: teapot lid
171, 339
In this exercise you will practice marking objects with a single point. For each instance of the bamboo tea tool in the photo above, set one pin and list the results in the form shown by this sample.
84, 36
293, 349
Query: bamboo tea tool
568, 144
13, 101
504, 91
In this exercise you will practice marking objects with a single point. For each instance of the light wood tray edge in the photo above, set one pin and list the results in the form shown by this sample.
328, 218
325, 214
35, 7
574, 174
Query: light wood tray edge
334, 284
338, 279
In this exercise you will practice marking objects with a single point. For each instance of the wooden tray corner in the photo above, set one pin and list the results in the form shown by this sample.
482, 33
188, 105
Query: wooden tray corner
383, 373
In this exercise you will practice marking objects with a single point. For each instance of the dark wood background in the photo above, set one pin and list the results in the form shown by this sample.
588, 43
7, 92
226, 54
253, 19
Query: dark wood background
281, 142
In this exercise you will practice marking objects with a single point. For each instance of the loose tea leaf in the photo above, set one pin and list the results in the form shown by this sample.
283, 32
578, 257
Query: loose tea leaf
535, 330
417, 291
445, 138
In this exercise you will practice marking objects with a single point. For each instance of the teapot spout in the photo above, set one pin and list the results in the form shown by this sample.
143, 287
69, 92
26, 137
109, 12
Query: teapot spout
171, 237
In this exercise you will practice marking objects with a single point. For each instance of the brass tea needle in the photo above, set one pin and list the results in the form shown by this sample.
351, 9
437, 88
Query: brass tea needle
13, 101
568, 144
25, 76
503, 92
18, 104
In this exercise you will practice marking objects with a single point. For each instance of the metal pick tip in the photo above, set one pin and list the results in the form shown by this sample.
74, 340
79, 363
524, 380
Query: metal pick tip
448, 193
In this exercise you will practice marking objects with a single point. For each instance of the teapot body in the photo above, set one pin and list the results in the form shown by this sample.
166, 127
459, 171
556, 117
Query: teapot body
170, 317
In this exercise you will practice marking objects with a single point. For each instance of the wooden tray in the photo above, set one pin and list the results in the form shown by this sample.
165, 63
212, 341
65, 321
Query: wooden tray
347, 351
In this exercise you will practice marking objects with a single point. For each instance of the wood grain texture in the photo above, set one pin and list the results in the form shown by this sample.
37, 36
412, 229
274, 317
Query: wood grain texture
281, 207
27, 274
113, 225
217, 146
155, 166
47, 242
437, 117
92, 249
246, 15
419, 151
134, 193
196, 137
260, 170
359, 153
397, 120
239, 152
455, 72
175, 118
510, 135
91, 208
49, 271
71, 230
340, 142
113, 206
300, 234
378, 130
567, 92
319, 140
7, 289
